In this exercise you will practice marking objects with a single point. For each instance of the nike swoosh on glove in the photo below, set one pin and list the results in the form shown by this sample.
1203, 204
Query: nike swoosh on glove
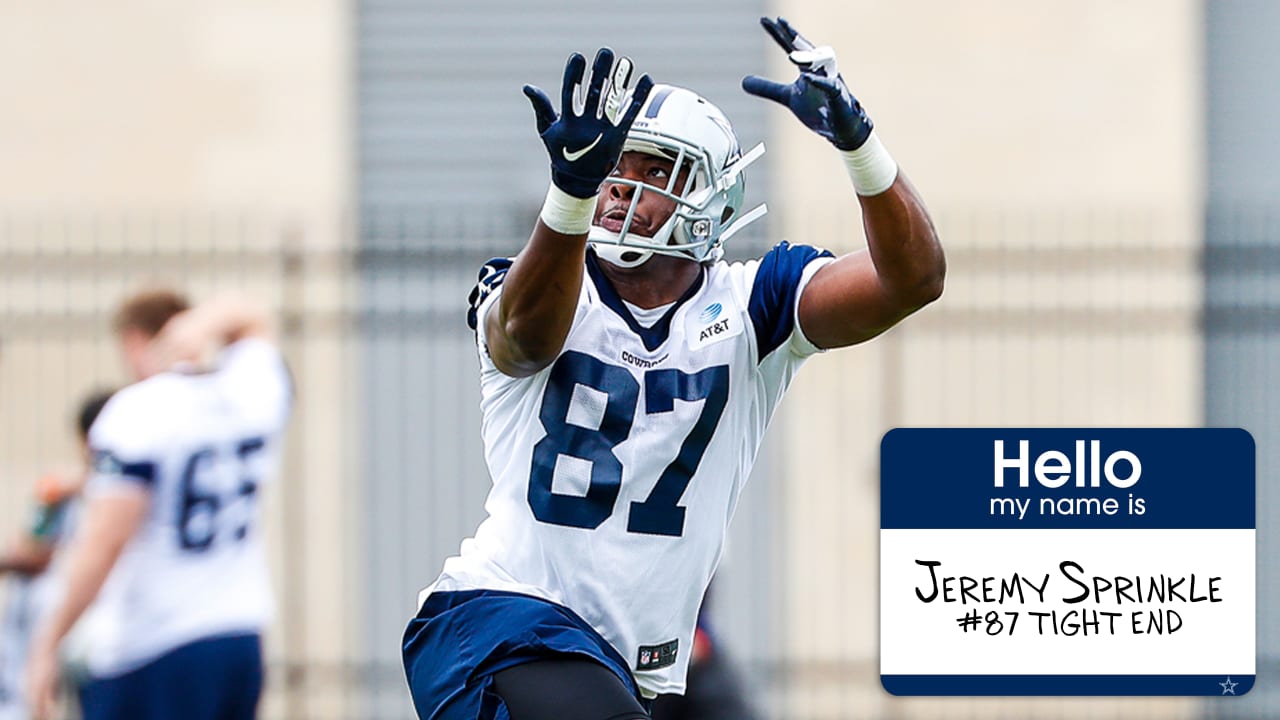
585, 147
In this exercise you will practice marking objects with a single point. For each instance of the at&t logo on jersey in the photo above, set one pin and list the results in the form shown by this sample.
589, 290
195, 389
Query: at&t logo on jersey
712, 324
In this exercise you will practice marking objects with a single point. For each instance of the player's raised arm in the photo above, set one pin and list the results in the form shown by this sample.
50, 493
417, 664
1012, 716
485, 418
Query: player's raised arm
191, 335
864, 293
528, 326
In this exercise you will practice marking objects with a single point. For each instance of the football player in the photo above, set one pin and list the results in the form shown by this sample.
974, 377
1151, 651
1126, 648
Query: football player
171, 533
627, 378
30, 563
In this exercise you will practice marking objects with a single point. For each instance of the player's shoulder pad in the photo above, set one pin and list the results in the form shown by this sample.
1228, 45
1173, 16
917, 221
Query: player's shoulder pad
260, 353
490, 278
772, 304
132, 417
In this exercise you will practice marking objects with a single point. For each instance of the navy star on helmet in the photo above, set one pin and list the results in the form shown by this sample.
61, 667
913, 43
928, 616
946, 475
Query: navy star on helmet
685, 128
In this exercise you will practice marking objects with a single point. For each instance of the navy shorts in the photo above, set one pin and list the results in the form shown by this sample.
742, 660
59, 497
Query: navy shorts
215, 679
459, 640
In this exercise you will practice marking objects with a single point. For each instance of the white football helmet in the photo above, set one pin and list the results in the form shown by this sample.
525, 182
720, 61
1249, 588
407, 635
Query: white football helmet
683, 127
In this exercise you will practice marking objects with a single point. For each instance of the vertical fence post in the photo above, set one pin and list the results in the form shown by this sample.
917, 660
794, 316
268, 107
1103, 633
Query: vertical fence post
293, 589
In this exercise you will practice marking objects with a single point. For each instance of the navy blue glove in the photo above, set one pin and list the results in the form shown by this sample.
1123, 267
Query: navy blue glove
819, 96
585, 148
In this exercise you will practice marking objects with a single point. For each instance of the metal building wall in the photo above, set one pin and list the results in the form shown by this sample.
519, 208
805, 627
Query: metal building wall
450, 173
1242, 274
442, 123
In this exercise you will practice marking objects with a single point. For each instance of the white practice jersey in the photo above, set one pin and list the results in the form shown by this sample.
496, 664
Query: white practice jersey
616, 470
202, 445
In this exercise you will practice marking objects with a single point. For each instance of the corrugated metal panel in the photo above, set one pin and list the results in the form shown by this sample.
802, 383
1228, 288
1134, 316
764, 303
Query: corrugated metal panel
1242, 269
1240, 112
442, 122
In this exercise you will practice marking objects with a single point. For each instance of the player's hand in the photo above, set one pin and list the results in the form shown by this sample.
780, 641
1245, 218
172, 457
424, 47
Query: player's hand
819, 96
585, 147
184, 340
42, 682
56, 486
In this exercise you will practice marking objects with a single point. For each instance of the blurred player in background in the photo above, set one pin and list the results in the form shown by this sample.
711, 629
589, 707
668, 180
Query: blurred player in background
171, 535
627, 378
30, 561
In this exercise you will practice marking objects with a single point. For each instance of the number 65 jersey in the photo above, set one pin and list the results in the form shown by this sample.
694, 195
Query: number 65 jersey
201, 445
617, 468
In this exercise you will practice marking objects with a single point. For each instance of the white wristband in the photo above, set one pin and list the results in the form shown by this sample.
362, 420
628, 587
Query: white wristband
870, 167
566, 214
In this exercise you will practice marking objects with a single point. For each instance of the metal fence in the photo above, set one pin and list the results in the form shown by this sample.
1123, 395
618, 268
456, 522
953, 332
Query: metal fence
384, 474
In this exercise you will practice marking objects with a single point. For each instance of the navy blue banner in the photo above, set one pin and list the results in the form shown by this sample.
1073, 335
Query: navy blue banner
951, 685
1067, 478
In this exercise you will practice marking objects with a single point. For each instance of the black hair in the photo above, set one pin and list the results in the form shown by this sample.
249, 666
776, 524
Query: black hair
90, 407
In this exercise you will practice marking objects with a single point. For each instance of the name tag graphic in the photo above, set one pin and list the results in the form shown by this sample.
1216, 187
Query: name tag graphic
1067, 562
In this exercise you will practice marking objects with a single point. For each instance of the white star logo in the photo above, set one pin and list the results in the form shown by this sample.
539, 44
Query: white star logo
1228, 687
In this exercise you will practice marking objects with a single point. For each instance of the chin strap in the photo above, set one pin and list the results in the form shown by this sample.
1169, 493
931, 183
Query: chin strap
610, 246
621, 255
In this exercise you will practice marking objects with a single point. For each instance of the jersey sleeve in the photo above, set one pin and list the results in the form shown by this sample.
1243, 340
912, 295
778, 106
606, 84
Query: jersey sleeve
486, 292
487, 285
125, 444
780, 278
